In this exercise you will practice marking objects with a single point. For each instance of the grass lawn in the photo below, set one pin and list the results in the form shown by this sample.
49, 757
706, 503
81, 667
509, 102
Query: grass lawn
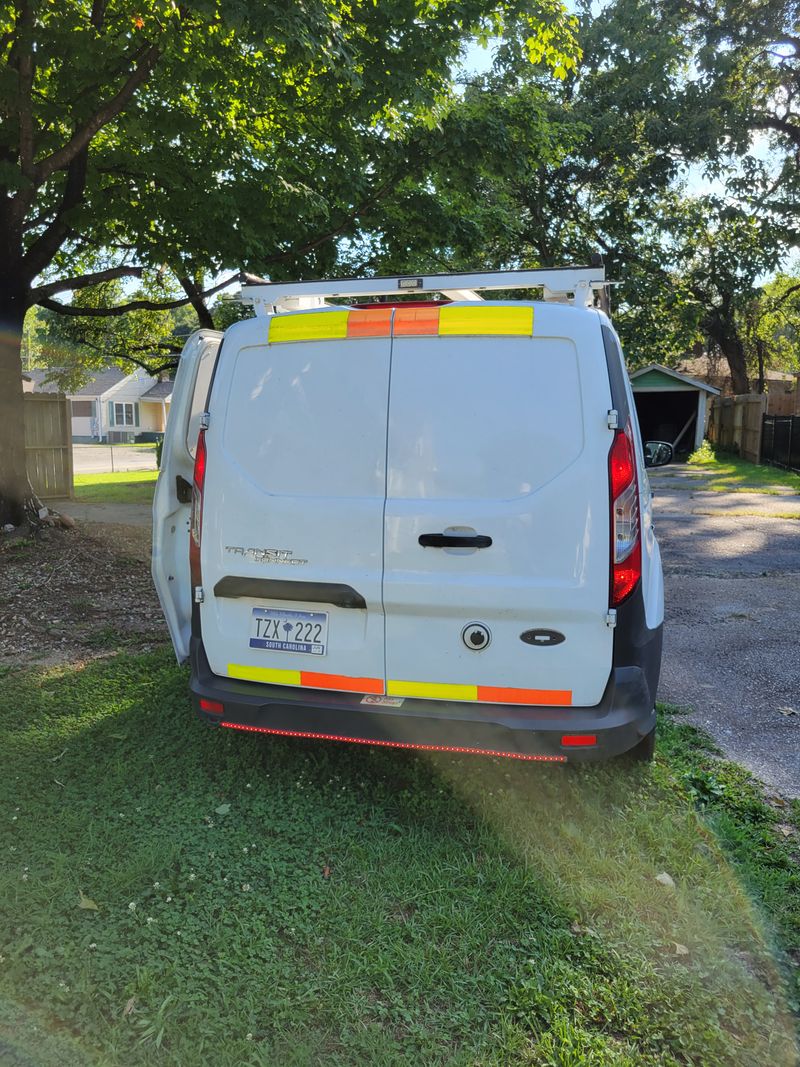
731, 473
174, 894
124, 487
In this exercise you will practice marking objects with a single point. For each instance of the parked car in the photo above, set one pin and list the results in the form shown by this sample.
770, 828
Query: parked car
421, 524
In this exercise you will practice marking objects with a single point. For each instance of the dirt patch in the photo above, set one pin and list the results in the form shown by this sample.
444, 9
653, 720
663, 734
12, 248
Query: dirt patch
77, 594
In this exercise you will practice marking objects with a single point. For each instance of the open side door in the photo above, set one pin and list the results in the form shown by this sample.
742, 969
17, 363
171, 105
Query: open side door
172, 503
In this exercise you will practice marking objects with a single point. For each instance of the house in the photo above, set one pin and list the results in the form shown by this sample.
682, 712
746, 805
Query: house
112, 406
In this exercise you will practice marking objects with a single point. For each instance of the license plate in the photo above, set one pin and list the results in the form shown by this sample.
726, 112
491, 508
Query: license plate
283, 630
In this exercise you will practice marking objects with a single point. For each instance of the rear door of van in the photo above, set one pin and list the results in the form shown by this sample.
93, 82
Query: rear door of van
498, 437
172, 498
293, 501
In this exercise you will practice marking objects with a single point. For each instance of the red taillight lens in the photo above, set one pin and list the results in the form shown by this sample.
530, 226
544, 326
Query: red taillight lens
621, 464
626, 544
213, 706
578, 740
196, 523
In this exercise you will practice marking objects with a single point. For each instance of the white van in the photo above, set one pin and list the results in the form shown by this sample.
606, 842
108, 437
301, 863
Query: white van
416, 523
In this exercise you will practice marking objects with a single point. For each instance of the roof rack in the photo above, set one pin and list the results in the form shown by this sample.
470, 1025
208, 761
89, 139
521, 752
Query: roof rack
574, 285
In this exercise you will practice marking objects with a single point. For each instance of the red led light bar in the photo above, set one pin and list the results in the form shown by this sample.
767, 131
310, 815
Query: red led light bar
392, 744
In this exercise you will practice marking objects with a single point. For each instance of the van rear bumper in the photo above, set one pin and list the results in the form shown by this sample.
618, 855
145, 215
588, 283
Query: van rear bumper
623, 717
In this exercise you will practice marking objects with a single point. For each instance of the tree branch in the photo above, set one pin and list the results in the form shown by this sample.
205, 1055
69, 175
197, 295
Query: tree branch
196, 296
41, 252
772, 122
83, 281
25, 88
133, 305
82, 137
309, 246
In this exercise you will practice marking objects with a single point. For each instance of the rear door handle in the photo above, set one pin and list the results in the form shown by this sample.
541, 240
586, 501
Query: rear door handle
440, 540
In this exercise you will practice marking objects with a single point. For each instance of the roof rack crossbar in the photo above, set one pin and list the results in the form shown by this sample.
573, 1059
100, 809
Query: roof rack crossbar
576, 285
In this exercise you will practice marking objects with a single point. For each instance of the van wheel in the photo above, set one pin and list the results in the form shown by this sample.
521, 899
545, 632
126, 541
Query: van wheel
642, 752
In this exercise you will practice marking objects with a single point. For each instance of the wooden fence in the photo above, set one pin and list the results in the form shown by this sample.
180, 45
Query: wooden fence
735, 424
783, 403
48, 444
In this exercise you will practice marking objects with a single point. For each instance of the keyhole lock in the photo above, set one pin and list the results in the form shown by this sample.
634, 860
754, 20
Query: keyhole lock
476, 636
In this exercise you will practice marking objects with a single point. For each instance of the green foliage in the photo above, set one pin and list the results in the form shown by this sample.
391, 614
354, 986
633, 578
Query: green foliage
703, 456
75, 347
264, 901
228, 309
775, 322
257, 130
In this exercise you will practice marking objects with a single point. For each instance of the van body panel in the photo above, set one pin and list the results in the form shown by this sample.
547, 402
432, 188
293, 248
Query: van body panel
295, 490
506, 437
171, 510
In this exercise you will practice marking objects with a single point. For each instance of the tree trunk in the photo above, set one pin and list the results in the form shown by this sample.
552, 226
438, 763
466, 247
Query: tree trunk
761, 373
733, 350
13, 474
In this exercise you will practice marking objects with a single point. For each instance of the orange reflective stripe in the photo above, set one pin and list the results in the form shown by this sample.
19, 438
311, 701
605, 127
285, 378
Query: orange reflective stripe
342, 682
371, 322
416, 321
493, 694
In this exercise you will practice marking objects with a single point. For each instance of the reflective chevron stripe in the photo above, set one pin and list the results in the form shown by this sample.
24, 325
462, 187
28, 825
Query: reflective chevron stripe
484, 694
444, 321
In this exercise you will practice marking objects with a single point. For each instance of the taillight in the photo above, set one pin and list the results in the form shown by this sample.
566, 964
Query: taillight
196, 523
626, 543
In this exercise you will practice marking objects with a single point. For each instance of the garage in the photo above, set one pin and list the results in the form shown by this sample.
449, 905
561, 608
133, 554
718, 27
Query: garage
671, 407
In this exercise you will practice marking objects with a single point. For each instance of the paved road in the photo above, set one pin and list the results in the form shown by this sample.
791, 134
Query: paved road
101, 459
732, 584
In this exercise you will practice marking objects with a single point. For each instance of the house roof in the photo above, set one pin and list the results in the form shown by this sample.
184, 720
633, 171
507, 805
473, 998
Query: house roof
101, 382
670, 373
39, 376
160, 391
718, 368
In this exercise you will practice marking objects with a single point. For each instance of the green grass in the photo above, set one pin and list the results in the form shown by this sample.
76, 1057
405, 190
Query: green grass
730, 473
123, 487
275, 902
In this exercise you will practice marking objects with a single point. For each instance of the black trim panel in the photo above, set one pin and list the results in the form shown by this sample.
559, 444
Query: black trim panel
341, 596
635, 643
616, 375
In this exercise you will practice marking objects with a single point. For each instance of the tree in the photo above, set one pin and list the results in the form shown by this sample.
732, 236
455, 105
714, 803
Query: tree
623, 130
149, 135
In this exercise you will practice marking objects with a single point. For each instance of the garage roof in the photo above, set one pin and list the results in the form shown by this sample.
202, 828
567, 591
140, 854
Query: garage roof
657, 377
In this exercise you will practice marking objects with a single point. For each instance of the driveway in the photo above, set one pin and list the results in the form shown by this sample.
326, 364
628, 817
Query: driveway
102, 459
732, 587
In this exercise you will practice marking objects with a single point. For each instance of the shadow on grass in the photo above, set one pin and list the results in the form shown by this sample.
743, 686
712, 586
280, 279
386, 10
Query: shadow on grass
271, 901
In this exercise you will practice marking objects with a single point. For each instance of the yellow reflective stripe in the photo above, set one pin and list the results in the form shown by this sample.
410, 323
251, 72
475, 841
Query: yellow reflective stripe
433, 690
478, 321
310, 326
263, 674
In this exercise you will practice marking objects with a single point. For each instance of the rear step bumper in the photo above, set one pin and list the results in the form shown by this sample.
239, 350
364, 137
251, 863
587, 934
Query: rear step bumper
623, 717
